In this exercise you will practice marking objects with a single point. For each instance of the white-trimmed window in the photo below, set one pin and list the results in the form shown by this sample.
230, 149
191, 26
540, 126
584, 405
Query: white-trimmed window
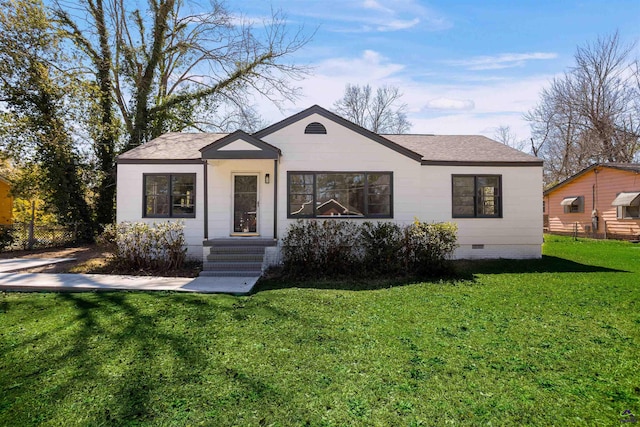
627, 205
573, 204
169, 195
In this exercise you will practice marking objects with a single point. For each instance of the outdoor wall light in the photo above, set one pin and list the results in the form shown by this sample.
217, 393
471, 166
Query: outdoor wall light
266, 178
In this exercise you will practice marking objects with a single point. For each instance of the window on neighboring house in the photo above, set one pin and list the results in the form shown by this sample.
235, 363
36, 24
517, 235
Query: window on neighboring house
627, 205
340, 195
573, 204
169, 195
476, 196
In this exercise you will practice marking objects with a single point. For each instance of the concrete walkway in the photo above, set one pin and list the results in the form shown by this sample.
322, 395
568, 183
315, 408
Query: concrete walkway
36, 282
12, 264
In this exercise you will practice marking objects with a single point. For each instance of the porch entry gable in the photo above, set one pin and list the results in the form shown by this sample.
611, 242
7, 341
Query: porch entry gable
240, 145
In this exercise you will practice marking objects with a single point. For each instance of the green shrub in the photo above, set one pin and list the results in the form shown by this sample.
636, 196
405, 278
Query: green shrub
140, 246
315, 248
310, 247
6, 237
428, 247
382, 246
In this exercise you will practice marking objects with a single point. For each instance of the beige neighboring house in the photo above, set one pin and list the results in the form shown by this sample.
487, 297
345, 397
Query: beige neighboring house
602, 200
240, 187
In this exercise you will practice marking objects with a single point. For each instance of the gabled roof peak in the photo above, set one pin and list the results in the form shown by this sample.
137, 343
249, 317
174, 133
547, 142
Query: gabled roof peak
261, 149
316, 109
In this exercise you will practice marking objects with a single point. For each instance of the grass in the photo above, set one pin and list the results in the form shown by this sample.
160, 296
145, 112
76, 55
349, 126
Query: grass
548, 342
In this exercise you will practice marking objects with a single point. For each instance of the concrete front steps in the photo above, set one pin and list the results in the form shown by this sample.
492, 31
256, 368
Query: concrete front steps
235, 257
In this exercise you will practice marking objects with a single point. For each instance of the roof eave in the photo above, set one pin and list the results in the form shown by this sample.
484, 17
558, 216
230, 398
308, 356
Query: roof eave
482, 163
130, 161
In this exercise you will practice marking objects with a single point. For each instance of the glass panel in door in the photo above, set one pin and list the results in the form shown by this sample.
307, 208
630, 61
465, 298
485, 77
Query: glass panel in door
245, 203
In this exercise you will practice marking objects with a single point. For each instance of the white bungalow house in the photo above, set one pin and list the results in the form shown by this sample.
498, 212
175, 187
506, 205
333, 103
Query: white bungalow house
239, 189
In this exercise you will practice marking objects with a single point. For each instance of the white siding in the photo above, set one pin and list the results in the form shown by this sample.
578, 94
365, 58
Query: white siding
130, 196
220, 173
518, 234
343, 150
420, 191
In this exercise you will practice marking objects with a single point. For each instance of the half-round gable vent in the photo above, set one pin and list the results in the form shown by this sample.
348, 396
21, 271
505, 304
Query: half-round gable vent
315, 128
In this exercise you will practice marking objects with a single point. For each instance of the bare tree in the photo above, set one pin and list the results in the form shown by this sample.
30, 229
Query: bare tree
505, 135
163, 69
381, 112
591, 113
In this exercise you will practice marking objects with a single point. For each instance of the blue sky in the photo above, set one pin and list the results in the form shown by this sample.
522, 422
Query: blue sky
465, 67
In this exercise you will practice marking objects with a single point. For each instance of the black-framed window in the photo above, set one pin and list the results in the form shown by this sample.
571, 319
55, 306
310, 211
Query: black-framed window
476, 196
169, 195
340, 195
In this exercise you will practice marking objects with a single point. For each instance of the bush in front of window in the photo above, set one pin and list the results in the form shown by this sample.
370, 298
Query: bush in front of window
139, 246
382, 246
310, 247
429, 246
314, 248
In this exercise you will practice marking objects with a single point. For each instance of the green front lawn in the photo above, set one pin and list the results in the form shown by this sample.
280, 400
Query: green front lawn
549, 342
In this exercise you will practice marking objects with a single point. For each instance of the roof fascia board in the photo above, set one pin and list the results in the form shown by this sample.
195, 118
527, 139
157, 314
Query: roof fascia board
158, 161
571, 178
479, 163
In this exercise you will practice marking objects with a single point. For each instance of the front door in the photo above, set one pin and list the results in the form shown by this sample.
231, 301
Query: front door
245, 204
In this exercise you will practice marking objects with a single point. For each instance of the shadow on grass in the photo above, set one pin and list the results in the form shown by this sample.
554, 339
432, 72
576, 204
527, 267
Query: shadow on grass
461, 270
547, 264
128, 351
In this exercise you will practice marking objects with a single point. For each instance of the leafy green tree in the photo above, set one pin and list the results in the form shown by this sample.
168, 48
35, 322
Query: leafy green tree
34, 92
104, 126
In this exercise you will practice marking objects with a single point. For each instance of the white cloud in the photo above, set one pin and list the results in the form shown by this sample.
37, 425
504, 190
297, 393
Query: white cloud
378, 16
398, 24
375, 5
505, 60
369, 67
450, 104
457, 106
243, 20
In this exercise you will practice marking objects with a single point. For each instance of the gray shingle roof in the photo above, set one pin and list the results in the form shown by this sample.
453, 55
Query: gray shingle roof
461, 148
433, 148
173, 146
